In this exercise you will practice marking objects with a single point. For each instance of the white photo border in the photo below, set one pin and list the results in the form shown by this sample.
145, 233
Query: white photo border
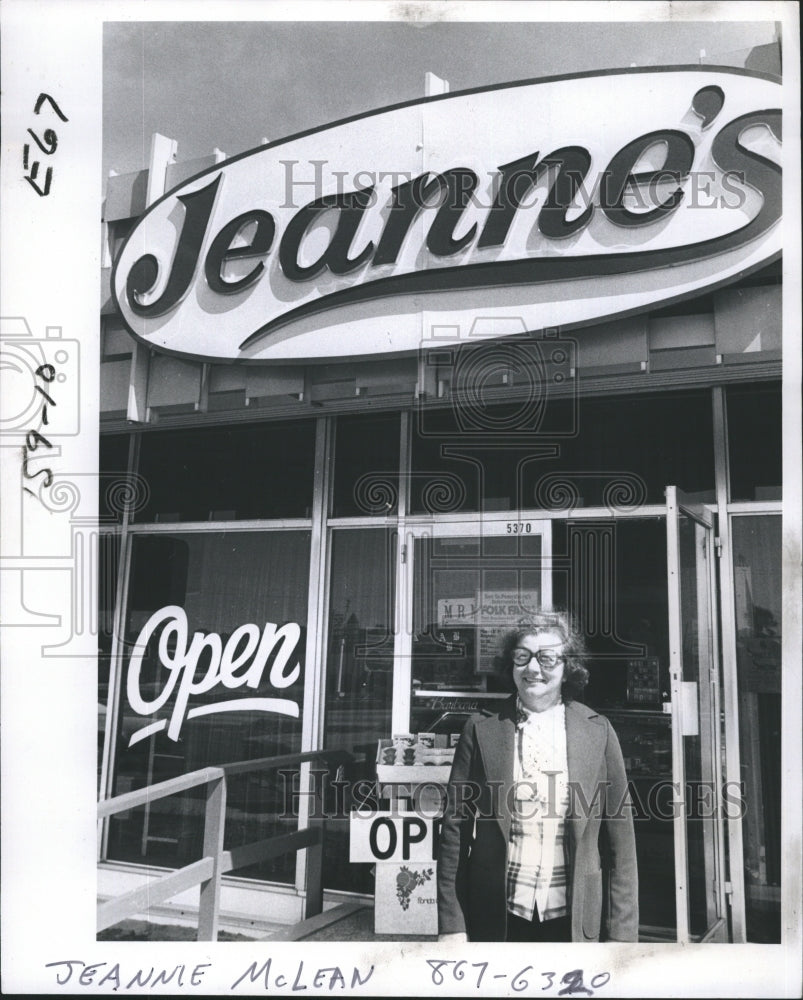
51, 280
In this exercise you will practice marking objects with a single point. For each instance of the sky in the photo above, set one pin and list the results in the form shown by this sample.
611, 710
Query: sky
232, 85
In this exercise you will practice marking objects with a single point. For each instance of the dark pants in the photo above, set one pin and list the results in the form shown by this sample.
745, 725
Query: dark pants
519, 929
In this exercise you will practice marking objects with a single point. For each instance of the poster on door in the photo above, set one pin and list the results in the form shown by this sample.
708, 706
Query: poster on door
491, 613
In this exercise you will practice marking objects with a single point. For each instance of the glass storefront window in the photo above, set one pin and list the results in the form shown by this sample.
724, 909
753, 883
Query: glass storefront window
359, 676
215, 636
229, 473
754, 441
621, 453
113, 476
757, 585
366, 465
612, 577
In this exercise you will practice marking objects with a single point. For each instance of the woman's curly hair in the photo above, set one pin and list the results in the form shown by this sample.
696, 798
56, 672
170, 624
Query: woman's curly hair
575, 675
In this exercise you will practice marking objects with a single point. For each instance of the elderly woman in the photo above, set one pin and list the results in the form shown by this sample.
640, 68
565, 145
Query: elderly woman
537, 841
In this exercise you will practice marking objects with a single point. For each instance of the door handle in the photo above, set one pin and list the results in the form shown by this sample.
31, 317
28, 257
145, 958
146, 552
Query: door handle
689, 716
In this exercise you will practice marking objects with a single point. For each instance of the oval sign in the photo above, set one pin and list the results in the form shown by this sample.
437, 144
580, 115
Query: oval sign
552, 203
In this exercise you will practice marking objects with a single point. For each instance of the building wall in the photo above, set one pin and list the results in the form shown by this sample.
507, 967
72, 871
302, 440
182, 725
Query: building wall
239, 477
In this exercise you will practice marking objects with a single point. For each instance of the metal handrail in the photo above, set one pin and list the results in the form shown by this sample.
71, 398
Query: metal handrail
215, 862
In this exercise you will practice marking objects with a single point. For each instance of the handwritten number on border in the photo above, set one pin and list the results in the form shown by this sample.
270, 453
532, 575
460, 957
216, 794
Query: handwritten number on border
46, 97
572, 982
48, 144
50, 138
33, 439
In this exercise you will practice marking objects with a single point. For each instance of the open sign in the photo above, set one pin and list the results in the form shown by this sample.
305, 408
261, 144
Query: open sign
239, 662
393, 837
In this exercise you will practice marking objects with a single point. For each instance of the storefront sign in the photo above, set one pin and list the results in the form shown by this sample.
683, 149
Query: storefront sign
392, 837
402, 846
239, 662
527, 206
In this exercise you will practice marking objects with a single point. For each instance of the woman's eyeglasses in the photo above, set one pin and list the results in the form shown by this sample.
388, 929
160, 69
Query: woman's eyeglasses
547, 658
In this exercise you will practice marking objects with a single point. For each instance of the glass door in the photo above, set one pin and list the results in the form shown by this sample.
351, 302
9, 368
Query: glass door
694, 684
466, 584
359, 680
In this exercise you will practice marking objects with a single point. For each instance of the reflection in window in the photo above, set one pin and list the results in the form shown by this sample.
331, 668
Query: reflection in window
229, 473
757, 585
359, 675
239, 706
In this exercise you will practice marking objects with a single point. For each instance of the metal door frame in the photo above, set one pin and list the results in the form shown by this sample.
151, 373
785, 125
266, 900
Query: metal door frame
676, 503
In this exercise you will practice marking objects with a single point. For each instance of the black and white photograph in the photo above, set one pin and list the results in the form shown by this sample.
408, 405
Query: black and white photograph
401, 498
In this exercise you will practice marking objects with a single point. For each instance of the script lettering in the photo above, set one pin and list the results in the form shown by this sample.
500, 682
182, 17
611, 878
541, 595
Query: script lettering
247, 645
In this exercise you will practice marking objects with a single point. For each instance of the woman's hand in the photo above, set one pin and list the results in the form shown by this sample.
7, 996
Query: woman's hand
458, 937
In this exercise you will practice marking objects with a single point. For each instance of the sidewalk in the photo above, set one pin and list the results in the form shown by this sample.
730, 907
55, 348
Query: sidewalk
355, 924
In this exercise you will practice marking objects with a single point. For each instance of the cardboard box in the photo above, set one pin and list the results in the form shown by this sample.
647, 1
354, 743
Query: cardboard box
434, 764
406, 898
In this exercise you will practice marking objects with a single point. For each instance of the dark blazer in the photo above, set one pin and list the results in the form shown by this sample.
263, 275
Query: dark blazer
472, 854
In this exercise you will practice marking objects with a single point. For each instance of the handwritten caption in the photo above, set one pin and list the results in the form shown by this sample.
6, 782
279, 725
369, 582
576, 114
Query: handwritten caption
301, 976
271, 977
48, 143
33, 439
445, 972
